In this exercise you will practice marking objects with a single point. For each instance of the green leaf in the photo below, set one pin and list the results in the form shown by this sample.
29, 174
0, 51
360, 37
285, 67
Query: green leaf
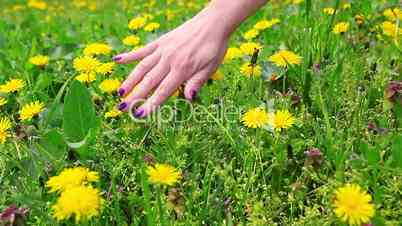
372, 155
54, 144
79, 115
397, 152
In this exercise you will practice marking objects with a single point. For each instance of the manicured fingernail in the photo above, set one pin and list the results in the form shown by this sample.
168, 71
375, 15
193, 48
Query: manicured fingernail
121, 92
138, 113
193, 94
122, 106
116, 58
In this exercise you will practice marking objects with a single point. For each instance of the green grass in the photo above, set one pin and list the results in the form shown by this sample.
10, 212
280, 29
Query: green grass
232, 175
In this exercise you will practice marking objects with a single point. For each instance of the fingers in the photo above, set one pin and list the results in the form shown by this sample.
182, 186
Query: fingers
195, 83
149, 82
167, 87
140, 54
139, 72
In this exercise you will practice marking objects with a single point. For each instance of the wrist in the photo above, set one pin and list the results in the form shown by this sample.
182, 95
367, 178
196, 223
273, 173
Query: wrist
229, 15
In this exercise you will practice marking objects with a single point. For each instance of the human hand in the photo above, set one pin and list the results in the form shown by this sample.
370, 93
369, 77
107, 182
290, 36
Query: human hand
189, 54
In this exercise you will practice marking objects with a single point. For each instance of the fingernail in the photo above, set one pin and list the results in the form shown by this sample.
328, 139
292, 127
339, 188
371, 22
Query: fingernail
122, 106
138, 113
121, 92
193, 94
116, 58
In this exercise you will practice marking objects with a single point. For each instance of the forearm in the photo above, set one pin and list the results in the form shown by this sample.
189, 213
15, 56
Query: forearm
233, 12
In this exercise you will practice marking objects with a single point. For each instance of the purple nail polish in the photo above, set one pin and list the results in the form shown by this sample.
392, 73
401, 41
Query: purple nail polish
122, 106
116, 58
138, 113
121, 92
193, 94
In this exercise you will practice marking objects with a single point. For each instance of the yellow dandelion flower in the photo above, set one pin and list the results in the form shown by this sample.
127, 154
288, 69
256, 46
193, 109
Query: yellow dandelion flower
86, 77
346, 6
359, 19
5, 124
82, 202
71, 177
284, 58
30, 110
353, 205
329, 11
249, 70
3, 101
265, 24
113, 113
163, 174
152, 27
281, 119
137, 23
97, 49
251, 34
393, 14
341, 28
233, 53
390, 29
218, 75
109, 85
13, 85
37, 4
39, 60
255, 118
105, 68
86, 64
131, 40
248, 48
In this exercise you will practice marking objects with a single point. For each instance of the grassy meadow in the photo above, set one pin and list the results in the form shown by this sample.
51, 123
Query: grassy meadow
312, 138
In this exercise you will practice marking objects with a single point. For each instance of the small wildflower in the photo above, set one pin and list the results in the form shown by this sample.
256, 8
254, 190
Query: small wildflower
131, 40
281, 119
285, 58
249, 48
30, 110
341, 28
329, 11
232, 53
255, 118
97, 49
71, 177
86, 64
82, 202
13, 85
249, 70
39, 60
109, 85
163, 174
137, 23
105, 68
152, 27
218, 75
113, 113
86, 77
352, 205
251, 34
5, 125
264, 24
3, 101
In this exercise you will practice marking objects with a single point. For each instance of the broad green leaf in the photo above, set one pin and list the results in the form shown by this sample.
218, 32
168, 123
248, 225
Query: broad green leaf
54, 144
79, 115
397, 151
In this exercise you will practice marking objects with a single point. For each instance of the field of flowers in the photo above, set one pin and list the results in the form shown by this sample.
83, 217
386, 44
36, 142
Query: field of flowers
300, 125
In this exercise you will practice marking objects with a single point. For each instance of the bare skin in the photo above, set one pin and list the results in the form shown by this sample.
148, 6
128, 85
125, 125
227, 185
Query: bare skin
189, 54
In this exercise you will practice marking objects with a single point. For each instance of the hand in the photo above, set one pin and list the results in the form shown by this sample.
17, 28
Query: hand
189, 54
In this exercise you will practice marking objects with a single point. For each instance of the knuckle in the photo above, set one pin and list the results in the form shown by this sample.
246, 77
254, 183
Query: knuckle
143, 66
163, 92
